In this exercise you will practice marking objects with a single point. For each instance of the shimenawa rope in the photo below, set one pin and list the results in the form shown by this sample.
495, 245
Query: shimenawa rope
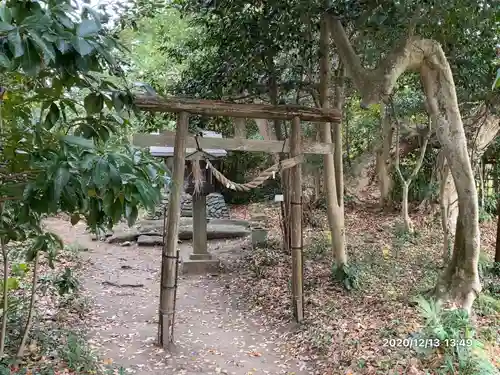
264, 176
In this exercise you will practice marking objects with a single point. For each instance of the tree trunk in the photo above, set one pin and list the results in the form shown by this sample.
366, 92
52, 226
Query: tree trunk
334, 210
5, 292
347, 136
285, 174
408, 224
31, 308
460, 282
383, 163
337, 139
480, 171
443, 173
405, 182
497, 245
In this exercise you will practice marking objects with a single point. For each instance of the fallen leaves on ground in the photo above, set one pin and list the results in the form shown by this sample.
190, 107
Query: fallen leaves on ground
344, 332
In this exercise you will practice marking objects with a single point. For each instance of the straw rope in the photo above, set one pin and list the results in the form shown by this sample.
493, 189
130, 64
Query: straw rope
259, 180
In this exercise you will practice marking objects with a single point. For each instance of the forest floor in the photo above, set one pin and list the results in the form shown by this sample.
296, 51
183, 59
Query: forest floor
348, 331
239, 322
213, 334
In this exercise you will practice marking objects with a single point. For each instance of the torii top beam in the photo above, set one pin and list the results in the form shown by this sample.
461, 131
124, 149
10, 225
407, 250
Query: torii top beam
236, 110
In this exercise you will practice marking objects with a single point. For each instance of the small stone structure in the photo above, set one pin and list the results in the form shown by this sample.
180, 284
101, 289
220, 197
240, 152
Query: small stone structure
216, 207
150, 232
200, 206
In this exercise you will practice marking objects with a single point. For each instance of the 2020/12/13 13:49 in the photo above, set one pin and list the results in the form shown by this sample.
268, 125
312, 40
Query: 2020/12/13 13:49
426, 343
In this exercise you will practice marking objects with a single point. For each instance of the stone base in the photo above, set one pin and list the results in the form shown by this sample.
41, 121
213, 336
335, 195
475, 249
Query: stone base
206, 256
200, 267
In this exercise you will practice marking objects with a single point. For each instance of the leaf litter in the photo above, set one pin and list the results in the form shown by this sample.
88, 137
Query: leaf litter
212, 334
240, 322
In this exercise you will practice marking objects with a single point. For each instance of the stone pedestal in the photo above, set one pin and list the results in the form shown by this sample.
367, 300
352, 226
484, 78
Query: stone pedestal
200, 261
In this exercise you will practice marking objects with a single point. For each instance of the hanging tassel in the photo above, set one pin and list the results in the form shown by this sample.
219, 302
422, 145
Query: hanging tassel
197, 174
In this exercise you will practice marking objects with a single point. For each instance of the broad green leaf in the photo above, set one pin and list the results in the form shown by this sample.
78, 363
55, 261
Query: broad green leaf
78, 141
82, 46
131, 212
87, 28
116, 211
93, 103
56, 242
4, 60
60, 181
52, 116
31, 61
117, 101
114, 175
63, 46
5, 14
47, 50
16, 43
12, 283
6, 27
64, 20
101, 173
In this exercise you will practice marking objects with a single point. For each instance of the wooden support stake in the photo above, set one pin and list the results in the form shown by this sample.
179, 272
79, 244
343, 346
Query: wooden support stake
168, 262
296, 223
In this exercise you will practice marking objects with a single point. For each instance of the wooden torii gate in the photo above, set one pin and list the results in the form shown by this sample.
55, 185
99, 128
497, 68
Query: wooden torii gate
181, 140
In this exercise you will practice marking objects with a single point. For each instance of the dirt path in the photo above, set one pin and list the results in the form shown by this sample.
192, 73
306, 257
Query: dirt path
213, 336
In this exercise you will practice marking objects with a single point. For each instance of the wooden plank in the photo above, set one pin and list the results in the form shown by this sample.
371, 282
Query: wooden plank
168, 261
296, 224
231, 144
229, 109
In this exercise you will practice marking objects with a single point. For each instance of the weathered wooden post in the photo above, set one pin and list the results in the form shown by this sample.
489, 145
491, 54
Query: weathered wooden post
169, 258
296, 222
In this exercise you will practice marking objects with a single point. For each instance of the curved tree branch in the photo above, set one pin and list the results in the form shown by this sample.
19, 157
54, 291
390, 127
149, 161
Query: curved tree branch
461, 279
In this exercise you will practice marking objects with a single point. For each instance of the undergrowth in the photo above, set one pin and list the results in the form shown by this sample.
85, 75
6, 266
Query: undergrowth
57, 342
450, 336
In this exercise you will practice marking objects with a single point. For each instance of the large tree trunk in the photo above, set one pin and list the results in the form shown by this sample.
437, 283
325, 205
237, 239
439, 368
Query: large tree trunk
338, 103
334, 209
481, 129
460, 282
444, 204
497, 245
383, 162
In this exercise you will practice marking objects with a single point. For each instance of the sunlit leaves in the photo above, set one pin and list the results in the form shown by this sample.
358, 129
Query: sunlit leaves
93, 103
59, 115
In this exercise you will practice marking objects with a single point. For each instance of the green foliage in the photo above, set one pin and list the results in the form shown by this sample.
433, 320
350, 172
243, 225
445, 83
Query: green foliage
348, 275
452, 333
262, 259
64, 120
55, 155
319, 247
402, 238
67, 282
424, 185
487, 305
